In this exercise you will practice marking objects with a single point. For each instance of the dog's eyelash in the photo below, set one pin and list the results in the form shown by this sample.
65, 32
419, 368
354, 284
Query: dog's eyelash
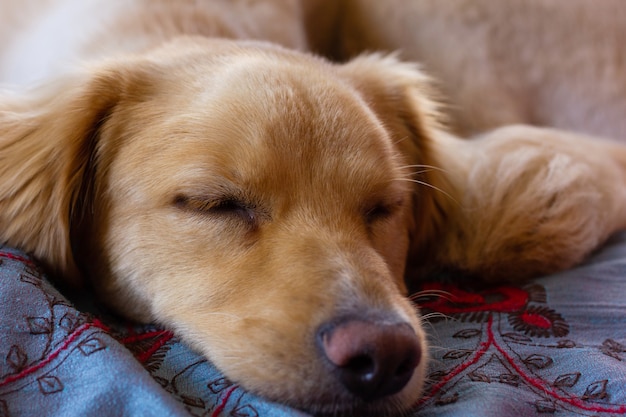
381, 211
219, 206
378, 212
232, 206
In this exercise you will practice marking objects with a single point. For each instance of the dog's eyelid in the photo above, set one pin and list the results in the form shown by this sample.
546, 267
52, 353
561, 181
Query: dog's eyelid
224, 205
233, 205
382, 210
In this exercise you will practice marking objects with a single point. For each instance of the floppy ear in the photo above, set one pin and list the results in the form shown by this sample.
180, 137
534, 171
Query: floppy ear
48, 141
515, 203
404, 99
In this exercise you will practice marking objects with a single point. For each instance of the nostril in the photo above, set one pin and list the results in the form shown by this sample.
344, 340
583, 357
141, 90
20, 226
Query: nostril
361, 365
371, 359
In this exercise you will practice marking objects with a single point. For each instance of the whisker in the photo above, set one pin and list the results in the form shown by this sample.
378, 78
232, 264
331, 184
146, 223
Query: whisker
430, 293
425, 184
421, 172
431, 167
436, 315
434, 346
402, 139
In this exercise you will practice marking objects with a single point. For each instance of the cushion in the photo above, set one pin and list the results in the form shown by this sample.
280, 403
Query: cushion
556, 345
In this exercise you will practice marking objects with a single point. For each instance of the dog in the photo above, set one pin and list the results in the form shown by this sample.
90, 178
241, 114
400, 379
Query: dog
198, 167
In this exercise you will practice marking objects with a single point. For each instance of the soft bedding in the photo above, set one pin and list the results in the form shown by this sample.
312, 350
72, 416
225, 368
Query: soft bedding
554, 346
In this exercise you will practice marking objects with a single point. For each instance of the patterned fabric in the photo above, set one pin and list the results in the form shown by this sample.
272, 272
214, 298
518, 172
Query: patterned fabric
556, 346
56, 361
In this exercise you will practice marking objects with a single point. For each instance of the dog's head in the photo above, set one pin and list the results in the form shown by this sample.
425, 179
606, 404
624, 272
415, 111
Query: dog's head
261, 202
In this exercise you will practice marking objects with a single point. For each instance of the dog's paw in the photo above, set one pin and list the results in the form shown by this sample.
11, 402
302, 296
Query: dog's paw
535, 201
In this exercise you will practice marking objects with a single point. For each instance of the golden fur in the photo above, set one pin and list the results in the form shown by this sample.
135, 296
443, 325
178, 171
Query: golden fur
245, 194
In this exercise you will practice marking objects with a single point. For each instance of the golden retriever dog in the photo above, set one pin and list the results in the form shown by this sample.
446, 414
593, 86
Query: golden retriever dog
265, 203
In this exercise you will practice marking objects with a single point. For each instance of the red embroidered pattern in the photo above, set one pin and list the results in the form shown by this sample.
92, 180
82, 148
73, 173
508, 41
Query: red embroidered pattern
524, 310
156, 339
53, 355
224, 401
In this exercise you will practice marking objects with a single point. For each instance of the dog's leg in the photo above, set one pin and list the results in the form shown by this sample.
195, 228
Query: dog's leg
530, 201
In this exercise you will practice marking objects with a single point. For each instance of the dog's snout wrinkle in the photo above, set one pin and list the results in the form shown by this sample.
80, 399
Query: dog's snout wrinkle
372, 359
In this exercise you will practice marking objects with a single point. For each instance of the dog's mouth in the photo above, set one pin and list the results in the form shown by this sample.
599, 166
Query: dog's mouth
386, 406
368, 364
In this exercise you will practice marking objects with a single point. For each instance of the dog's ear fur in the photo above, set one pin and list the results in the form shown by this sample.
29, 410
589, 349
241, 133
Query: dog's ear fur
404, 99
516, 203
48, 142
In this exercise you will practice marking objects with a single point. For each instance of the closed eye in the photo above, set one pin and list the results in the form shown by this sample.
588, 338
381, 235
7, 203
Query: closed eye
377, 212
382, 211
218, 207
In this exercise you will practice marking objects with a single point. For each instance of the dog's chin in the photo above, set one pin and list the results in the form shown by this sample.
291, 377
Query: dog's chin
330, 398
303, 378
343, 404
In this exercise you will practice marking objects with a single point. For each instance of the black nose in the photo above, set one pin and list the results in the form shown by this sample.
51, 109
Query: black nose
372, 359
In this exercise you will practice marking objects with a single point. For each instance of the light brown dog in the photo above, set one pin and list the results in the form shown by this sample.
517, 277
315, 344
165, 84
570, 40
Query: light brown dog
264, 202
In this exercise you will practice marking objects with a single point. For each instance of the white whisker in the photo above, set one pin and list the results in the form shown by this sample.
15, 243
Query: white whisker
432, 167
431, 293
423, 171
436, 315
425, 184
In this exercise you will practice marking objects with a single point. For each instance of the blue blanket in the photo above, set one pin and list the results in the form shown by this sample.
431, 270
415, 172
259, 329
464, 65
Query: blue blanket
555, 345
